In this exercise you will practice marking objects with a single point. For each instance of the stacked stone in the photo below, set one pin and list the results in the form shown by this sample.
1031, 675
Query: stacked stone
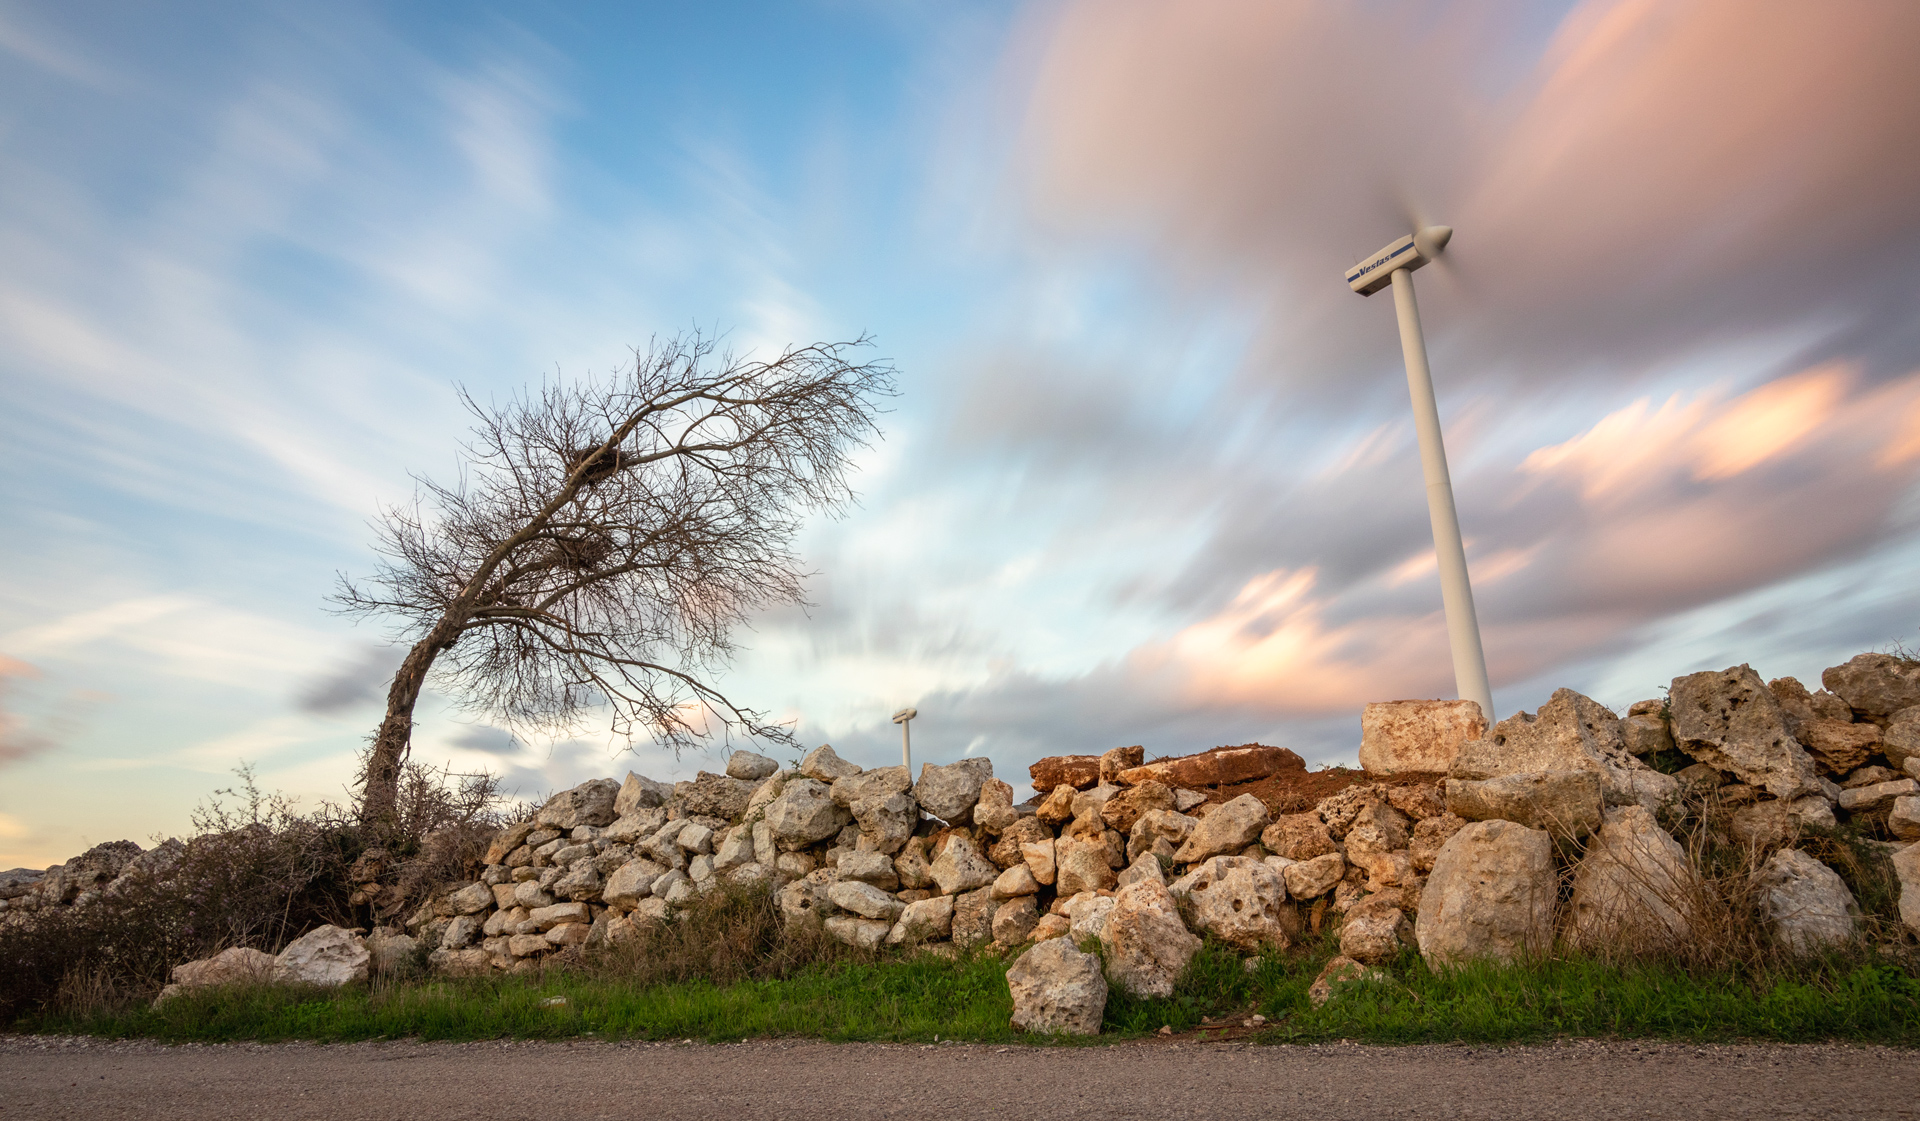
98, 873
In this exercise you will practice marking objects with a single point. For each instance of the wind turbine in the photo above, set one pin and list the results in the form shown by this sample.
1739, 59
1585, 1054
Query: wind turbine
1394, 266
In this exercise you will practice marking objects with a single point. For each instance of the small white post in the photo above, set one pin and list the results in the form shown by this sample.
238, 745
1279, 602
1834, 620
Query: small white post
903, 718
1463, 628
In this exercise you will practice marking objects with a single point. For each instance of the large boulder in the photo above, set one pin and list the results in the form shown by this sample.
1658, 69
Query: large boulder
1634, 887
1081, 865
332, 956
471, 899
590, 803
1730, 719
721, 796
1571, 732
631, 882
1565, 803
1231, 827
1087, 915
1491, 895
1223, 766
1056, 988
1121, 810
994, 812
1838, 747
1401, 736
1309, 878
805, 814
1875, 685
949, 792
1242, 902
865, 900
923, 920
1147, 946
1807, 902
1300, 836
861, 934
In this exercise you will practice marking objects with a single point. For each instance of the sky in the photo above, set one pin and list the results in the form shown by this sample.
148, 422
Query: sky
1151, 477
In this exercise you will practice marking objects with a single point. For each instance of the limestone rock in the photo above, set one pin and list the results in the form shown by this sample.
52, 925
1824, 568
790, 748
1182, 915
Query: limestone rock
1087, 915
1037, 857
1900, 742
1223, 766
505, 841
924, 920
1316, 876
1646, 733
590, 803
1229, 828
720, 796
1491, 895
1427, 838
751, 767
1123, 809
912, 866
1906, 868
1057, 989
580, 883
695, 838
994, 811
950, 792
1571, 732
885, 823
1875, 684
973, 918
864, 934
1877, 798
1005, 852
1807, 902
1564, 803
960, 868
1242, 902
737, 849
805, 814
1903, 819
1375, 931
865, 900
1014, 882
805, 899
823, 765
1419, 801
639, 792
636, 825
1119, 759
1298, 837
1014, 920
631, 882
471, 899
1052, 926
1729, 719
1338, 974
1057, 807
1161, 832
568, 934
1081, 866
238, 965
1077, 771
1147, 946
1634, 887
527, 945
874, 868
332, 956
1838, 747
1402, 736
880, 782
460, 963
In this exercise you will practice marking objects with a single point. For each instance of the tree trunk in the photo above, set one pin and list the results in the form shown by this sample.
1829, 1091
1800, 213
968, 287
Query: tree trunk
380, 788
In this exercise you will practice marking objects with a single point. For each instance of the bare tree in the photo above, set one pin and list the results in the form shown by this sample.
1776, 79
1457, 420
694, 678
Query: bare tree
604, 539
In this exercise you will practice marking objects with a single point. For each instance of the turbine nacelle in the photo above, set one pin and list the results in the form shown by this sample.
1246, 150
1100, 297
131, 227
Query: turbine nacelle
1410, 252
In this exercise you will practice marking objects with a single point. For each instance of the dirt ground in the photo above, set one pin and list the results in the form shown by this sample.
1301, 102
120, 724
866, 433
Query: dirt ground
582, 1081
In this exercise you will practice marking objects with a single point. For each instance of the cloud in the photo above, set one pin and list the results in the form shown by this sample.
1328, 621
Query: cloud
1658, 177
16, 742
358, 681
485, 739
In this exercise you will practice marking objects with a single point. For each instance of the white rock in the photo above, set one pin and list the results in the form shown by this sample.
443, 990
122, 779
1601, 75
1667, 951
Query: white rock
1903, 820
590, 803
1039, 858
695, 838
865, 786
1491, 895
1242, 902
960, 868
1571, 732
1808, 903
1906, 866
875, 868
471, 899
822, 765
1147, 946
1015, 881
1879, 796
1087, 915
886, 823
1228, 829
736, 850
1733, 721
1375, 932
805, 814
1082, 865
1145, 868
640, 793
950, 793
1634, 887
1056, 988
631, 882
330, 956
924, 920
238, 965
747, 765
1564, 803
864, 934
1317, 876
865, 900
1398, 736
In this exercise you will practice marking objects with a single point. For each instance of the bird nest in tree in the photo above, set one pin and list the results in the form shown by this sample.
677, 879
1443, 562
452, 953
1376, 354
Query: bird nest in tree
600, 463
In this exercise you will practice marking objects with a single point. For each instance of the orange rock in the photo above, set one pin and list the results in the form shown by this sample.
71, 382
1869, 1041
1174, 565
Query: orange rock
1223, 766
1077, 771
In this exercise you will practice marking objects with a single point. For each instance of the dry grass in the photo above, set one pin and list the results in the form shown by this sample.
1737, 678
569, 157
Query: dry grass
729, 934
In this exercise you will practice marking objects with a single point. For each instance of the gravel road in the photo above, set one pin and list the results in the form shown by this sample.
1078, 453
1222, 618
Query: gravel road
580, 1081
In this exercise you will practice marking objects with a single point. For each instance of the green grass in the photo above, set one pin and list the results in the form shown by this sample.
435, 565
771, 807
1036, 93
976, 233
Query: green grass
925, 997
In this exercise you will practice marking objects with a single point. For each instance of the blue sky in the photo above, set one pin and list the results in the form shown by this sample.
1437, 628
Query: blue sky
1151, 477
